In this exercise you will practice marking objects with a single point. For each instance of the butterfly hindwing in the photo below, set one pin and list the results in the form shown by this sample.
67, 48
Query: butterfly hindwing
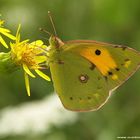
79, 84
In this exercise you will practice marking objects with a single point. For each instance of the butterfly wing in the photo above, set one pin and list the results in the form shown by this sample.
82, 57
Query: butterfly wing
85, 72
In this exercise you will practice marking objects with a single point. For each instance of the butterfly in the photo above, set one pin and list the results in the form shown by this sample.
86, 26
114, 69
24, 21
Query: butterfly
85, 72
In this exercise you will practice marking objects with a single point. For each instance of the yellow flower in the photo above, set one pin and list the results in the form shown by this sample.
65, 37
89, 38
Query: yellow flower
31, 56
5, 32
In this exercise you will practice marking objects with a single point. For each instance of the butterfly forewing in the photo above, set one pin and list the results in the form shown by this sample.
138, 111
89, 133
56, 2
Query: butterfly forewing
117, 62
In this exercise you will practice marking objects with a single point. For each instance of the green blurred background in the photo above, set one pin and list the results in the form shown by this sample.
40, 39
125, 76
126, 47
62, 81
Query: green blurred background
111, 21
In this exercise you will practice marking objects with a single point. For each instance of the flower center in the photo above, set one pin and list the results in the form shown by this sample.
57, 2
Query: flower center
28, 58
26, 54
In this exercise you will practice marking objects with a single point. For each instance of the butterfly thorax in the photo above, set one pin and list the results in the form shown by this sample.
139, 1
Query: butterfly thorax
55, 47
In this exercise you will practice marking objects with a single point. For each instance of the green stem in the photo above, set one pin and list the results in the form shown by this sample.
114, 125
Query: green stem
6, 63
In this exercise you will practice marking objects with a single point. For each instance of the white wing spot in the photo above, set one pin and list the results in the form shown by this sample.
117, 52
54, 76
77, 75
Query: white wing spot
83, 78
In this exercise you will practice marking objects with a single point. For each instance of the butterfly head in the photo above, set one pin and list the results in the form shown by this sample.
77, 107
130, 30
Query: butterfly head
55, 42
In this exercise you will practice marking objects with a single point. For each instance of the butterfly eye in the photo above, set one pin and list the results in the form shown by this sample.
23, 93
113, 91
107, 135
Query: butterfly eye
97, 52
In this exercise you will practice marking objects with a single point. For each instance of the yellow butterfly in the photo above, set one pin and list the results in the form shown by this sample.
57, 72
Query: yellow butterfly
85, 72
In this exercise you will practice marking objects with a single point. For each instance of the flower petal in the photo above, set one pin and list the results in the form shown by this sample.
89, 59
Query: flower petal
40, 59
3, 42
1, 21
18, 34
26, 69
9, 35
41, 74
23, 42
37, 43
4, 30
27, 84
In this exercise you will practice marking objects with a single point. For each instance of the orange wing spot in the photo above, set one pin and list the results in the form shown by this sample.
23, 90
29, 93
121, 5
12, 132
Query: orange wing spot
104, 62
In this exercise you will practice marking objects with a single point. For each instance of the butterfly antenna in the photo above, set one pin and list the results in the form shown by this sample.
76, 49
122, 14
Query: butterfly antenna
44, 37
51, 19
43, 30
